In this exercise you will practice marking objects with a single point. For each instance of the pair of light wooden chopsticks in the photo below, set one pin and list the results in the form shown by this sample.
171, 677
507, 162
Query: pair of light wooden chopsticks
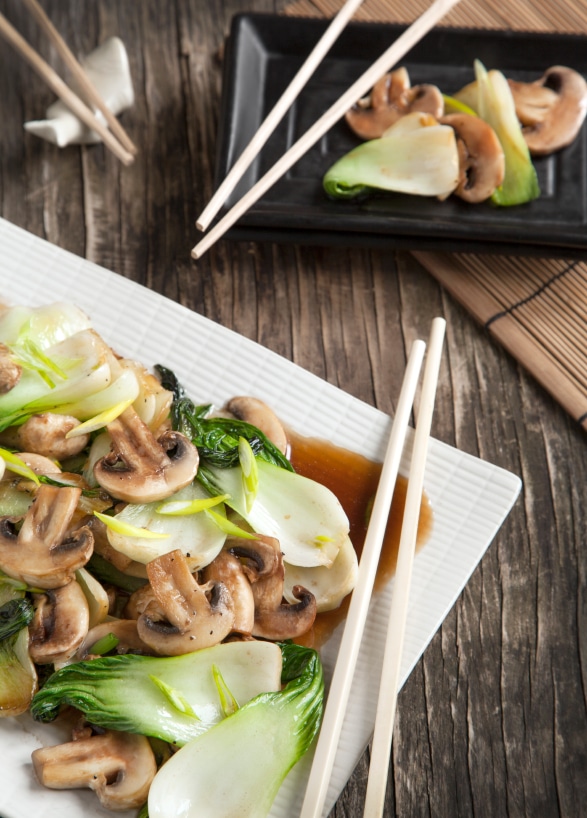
114, 137
360, 88
340, 687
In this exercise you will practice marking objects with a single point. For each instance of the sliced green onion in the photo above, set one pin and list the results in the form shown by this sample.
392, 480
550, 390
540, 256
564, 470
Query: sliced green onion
248, 464
104, 645
100, 420
128, 530
18, 466
229, 528
180, 508
228, 703
174, 697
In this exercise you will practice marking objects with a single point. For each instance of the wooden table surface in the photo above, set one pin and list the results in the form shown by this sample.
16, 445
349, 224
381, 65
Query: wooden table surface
493, 720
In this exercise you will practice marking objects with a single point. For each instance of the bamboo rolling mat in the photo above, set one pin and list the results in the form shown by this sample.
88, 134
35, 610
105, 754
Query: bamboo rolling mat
536, 308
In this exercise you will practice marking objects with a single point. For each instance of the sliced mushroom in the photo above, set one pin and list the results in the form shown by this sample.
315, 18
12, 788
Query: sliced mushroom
481, 157
141, 469
46, 434
227, 569
551, 109
118, 766
188, 616
257, 413
60, 624
275, 618
392, 97
44, 553
10, 371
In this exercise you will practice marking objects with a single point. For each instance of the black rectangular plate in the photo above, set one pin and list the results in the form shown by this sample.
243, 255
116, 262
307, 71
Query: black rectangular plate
263, 53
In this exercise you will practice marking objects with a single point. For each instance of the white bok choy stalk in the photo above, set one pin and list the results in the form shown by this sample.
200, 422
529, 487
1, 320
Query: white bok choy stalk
415, 155
65, 366
195, 534
305, 516
237, 767
491, 98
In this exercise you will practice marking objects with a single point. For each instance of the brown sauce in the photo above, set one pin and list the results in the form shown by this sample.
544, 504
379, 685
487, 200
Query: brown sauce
353, 478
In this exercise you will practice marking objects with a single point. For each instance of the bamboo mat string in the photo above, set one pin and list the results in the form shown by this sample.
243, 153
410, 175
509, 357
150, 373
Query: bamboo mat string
536, 308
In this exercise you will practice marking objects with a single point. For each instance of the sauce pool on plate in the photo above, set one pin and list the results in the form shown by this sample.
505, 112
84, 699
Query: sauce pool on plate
353, 478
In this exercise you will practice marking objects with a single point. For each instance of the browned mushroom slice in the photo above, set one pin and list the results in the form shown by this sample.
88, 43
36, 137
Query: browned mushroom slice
118, 766
46, 434
551, 109
392, 97
481, 157
60, 624
275, 618
188, 616
141, 469
44, 554
257, 413
227, 569
10, 371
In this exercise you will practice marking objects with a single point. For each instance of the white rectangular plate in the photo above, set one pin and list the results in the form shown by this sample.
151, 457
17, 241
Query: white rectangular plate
470, 498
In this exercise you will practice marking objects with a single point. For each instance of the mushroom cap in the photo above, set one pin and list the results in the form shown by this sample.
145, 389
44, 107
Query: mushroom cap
45, 434
141, 469
44, 553
551, 109
392, 97
481, 157
188, 616
60, 624
257, 413
10, 371
275, 618
118, 766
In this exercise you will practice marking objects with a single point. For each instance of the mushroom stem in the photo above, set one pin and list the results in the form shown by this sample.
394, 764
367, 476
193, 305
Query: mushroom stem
188, 616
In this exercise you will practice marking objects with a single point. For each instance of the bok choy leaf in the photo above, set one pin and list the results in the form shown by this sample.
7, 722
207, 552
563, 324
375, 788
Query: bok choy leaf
237, 767
127, 692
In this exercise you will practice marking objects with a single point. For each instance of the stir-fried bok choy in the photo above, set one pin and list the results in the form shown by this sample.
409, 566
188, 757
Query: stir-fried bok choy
490, 96
237, 767
416, 155
172, 698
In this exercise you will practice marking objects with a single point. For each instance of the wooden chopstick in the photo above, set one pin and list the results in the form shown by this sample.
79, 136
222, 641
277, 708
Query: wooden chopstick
59, 87
358, 89
88, 90
359, 605
390, 674
278, 111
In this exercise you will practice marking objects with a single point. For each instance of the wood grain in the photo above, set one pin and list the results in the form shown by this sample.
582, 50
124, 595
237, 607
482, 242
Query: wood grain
493, 720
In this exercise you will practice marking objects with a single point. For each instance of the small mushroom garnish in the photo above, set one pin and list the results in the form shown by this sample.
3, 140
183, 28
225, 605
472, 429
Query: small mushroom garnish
227, 569
275, 618
481, 157
45, 553
60, 624
141, 469
551, 109
46, 434
188, 616
118, 766
10, 371
257, 413
391, 97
